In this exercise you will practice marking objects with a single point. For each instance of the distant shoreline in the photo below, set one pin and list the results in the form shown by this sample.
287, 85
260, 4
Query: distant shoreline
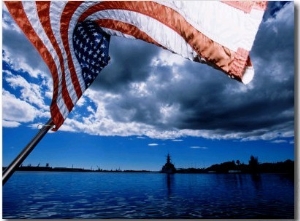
67, 169
179, 171
229, 167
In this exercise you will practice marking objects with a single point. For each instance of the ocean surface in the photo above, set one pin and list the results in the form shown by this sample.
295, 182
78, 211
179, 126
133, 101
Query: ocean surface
59, 195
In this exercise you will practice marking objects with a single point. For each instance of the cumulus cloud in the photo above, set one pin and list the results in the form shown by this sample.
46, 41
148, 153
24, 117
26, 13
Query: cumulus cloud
147, 91
15, 110
6, 123
29, 92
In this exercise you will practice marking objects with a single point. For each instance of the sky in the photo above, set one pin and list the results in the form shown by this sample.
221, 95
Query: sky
149, 102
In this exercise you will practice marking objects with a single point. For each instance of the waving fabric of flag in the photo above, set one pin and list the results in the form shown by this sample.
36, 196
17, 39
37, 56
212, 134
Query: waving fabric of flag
73, 37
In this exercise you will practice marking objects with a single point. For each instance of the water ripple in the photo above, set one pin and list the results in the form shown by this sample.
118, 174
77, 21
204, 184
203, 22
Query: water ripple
147, 195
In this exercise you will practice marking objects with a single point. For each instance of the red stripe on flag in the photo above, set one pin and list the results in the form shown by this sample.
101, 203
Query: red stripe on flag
242, 57
260, 5
56, 116
247, 6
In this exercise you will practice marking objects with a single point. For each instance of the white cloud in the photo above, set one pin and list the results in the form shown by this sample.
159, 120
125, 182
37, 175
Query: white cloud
279, 141
167, 58
30, 92
16, 110
198, 147
81, 102
152, 144
90, 109
6, 123
177, 140
20, 61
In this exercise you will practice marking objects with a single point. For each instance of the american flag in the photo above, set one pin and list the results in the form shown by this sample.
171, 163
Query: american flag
73, 37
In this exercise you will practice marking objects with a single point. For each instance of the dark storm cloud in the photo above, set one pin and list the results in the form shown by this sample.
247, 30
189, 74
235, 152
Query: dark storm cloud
274, 7
204, 98
276, 35
130, 62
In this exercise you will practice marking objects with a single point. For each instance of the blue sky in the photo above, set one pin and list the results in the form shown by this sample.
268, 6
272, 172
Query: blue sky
148, 102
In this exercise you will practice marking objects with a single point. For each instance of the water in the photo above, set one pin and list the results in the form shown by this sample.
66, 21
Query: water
62, 195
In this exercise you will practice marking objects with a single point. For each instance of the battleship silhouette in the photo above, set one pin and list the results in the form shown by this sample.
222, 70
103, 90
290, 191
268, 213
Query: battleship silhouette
168, 167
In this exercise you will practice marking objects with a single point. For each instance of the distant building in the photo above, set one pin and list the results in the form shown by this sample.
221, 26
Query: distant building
168, 167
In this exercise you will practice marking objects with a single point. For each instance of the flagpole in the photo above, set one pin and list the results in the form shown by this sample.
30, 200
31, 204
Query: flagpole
25, 152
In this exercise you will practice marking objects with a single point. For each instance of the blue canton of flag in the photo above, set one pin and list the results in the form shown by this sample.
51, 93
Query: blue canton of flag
91, 47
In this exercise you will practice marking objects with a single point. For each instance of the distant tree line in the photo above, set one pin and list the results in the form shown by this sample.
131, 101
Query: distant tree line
29, 167
253, 167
